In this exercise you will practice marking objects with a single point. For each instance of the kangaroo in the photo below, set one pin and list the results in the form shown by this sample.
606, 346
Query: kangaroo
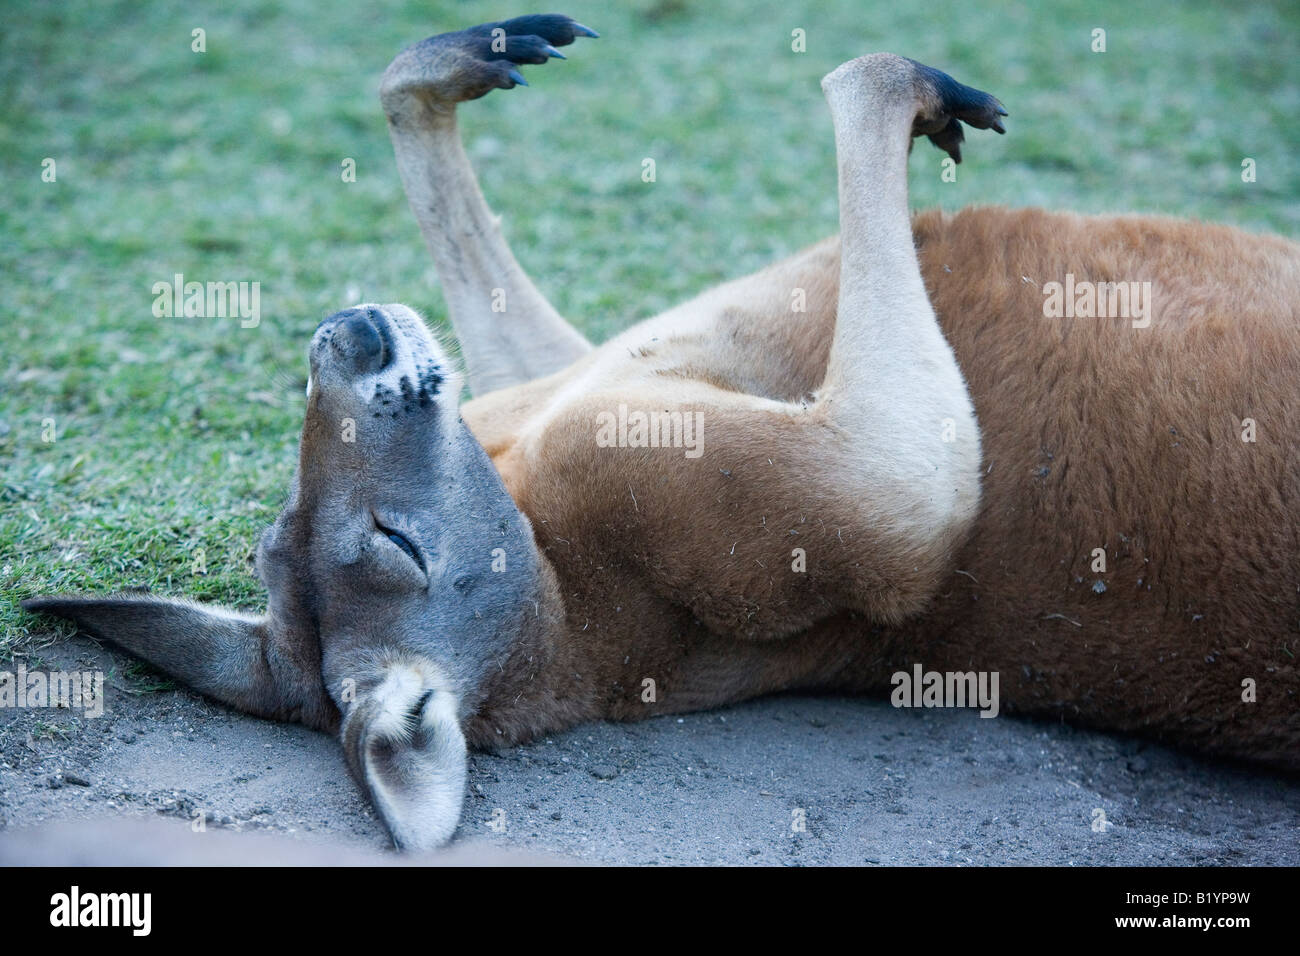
922, 465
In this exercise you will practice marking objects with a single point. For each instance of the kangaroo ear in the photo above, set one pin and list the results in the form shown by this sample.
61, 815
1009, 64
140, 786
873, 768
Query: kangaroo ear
226, 655
403, 743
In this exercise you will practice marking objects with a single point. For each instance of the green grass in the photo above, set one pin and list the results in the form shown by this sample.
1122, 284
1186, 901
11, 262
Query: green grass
175, 435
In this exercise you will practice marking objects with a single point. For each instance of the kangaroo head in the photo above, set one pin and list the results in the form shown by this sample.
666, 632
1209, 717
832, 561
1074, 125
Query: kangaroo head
397, 575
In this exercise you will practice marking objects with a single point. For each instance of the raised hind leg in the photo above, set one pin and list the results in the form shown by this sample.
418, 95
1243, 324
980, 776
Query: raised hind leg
852, 498
892, 381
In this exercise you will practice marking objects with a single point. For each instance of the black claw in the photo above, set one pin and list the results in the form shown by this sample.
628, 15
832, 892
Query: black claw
485, 63
949, 139
959, 104
555, 29
518, 49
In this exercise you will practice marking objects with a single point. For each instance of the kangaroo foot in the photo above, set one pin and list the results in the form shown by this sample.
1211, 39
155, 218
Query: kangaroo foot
948, 105
452, 68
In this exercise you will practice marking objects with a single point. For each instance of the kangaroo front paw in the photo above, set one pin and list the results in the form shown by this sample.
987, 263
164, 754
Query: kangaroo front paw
452, 68
946, 104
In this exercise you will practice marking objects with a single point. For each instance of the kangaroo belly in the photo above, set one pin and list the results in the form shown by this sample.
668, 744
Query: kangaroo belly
1135, 558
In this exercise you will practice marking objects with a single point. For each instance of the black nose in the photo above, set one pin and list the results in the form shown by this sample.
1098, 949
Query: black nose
357, 337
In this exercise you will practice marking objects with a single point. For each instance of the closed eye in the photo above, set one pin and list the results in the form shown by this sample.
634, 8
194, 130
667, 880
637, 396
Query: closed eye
402, 543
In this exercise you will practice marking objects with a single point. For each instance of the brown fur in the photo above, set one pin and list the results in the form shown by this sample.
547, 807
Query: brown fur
1095, 434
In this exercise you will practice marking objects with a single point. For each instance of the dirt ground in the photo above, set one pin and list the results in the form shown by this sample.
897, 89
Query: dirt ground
788, 780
